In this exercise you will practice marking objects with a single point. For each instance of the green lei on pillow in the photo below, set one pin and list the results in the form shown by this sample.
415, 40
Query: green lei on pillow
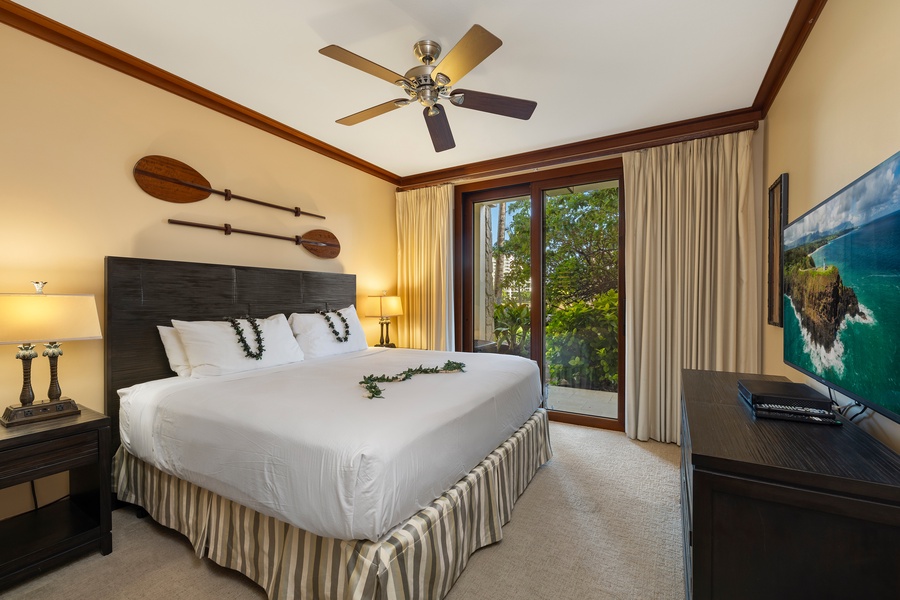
254, 324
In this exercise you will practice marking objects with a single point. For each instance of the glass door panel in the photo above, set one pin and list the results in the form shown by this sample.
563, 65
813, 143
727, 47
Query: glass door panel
501, 268
581, 298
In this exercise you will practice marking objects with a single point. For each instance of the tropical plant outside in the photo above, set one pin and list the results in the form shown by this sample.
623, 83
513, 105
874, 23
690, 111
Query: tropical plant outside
582, 344
581, 257
512, 328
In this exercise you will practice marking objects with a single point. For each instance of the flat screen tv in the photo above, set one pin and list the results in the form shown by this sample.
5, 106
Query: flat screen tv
842, 290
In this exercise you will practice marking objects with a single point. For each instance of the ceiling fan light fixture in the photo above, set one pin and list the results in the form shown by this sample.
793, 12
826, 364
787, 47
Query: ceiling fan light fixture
428, 96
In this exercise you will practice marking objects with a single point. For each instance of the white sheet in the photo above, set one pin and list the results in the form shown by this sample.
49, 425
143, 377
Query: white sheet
302, 443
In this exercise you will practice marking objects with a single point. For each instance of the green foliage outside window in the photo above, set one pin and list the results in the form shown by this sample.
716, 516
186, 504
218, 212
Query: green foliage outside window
581, 258
582, 344
512, 328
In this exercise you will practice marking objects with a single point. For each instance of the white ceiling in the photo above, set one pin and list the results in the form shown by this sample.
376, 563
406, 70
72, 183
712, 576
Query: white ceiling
595, 67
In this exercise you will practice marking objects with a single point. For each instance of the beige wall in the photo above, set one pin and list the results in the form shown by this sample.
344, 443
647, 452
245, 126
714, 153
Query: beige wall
836, 117
71, 132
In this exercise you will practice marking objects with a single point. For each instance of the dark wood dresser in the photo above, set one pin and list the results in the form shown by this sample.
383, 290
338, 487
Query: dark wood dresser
779, 509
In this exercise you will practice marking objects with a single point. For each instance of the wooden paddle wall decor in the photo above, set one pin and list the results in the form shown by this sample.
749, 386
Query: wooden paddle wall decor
319, 242
174, 181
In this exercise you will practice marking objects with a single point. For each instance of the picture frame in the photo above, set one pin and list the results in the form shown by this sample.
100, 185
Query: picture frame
778, 211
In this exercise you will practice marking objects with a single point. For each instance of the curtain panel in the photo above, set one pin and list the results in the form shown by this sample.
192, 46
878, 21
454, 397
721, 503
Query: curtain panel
425, 267
692, 272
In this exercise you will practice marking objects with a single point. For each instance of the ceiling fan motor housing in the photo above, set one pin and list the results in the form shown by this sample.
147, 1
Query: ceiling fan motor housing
423, 88
427, 51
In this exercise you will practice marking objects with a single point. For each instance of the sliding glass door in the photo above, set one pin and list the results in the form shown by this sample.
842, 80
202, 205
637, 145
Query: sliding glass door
581, 298
541, 278
502, 283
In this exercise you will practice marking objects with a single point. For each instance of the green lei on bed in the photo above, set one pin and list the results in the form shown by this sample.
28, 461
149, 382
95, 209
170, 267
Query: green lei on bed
370, 382
260, 348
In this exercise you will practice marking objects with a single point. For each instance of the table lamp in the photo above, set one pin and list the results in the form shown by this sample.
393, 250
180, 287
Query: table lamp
384, 307
51, 318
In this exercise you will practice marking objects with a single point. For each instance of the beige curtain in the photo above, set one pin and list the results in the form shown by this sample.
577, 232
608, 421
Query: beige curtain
425, 267
692, 274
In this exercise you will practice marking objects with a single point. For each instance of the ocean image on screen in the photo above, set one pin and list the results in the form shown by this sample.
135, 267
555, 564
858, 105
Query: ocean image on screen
842, 288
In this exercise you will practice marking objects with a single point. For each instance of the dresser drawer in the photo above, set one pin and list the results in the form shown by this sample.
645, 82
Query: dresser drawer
44, 458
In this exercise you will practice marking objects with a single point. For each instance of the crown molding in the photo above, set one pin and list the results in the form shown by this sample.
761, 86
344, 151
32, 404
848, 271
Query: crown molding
800, 25
593, 149
796, 32
798, 29
35, 24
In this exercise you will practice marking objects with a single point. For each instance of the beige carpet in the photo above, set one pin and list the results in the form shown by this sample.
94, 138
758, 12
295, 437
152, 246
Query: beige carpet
600, 521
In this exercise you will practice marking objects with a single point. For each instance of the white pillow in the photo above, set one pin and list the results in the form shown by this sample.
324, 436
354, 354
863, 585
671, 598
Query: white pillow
316, 338
178, 360
213, 348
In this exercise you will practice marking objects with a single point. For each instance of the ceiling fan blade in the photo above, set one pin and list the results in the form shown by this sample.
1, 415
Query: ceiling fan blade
439, 128
363, 64
379, 109
492, 103
474, 47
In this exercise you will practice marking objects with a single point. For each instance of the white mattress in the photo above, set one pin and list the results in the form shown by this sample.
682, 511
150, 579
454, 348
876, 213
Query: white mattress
304, 444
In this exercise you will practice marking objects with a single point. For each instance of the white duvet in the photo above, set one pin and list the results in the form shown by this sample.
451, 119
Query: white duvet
304, 444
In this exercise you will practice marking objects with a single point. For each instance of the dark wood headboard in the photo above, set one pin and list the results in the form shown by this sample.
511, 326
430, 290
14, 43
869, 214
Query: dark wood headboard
143, 293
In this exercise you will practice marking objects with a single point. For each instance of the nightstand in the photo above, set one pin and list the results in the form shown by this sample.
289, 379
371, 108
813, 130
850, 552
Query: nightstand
82, 522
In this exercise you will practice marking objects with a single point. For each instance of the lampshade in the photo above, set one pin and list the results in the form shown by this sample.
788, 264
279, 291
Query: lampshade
31, 318
383, 306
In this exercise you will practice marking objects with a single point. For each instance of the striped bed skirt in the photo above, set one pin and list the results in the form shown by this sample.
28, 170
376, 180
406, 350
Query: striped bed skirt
422, 559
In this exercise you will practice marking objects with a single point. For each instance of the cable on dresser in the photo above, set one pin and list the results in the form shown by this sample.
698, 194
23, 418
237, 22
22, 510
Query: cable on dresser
864, 409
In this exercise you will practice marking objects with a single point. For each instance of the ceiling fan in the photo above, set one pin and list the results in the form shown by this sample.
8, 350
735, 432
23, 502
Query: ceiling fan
429, 83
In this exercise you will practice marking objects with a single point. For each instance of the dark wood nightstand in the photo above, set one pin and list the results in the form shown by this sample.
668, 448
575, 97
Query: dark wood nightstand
41, 539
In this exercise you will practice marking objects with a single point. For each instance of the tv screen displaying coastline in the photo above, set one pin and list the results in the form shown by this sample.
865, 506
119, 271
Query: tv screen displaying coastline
842, 290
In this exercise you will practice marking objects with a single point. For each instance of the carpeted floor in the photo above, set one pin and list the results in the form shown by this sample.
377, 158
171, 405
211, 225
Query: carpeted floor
601, 520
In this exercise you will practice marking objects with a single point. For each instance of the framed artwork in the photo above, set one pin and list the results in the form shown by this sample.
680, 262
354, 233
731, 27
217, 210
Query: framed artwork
778, 210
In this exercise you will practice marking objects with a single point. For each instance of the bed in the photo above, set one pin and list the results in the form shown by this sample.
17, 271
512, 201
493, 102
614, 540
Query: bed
290, 474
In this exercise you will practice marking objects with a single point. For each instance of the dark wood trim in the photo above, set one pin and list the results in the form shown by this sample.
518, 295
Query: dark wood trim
525, 179
585, 420
802, 20
670, 133
58, 34
537, 276
800, 25
496, 190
